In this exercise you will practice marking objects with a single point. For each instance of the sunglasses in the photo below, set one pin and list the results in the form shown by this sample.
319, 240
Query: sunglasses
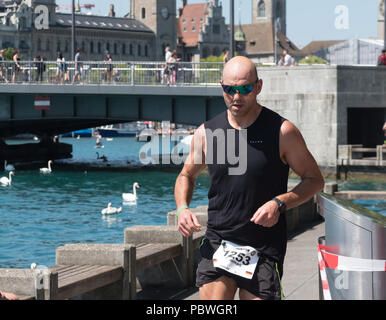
244, 90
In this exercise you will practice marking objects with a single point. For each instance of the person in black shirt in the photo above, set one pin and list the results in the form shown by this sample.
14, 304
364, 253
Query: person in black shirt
248, 197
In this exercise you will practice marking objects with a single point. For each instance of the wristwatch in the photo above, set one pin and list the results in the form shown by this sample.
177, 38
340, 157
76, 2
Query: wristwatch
281, 205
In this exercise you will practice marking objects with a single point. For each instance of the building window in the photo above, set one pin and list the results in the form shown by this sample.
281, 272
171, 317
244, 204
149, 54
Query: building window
216, 28
261, 9
48, 45
39, 44
131, 49
66, 46
83, 47
91, 47
58, 46
146, 53
123, 49
99, 47
185, 29
193, 28
115, 48
143, 13
201, 19
108, 46
184, 20
139, 50
193, 20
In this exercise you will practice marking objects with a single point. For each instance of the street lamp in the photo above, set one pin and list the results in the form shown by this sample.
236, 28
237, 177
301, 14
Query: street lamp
73, 31
277, 26
384, 24
232, 35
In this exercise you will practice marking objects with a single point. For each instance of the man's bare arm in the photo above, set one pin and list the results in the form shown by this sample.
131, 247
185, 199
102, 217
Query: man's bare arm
186, 180
293, 150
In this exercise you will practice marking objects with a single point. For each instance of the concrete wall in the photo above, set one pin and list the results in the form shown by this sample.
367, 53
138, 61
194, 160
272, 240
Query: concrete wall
306, 96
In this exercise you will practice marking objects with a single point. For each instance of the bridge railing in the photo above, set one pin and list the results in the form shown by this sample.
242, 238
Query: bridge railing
116, 73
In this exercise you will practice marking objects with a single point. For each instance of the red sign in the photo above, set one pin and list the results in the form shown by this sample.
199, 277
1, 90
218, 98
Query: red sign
42, 103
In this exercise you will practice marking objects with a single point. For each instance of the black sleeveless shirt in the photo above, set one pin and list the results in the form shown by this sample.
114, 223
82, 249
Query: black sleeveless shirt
233, 199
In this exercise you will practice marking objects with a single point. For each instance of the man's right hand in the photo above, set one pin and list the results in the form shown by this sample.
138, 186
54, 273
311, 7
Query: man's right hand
188, 223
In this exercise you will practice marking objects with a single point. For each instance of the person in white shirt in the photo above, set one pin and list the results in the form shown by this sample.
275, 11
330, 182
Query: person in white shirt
288, 60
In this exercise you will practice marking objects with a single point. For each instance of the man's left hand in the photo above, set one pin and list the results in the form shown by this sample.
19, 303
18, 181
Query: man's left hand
267, 215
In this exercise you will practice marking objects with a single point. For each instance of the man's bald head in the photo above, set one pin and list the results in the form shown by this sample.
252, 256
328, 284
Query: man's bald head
239, 68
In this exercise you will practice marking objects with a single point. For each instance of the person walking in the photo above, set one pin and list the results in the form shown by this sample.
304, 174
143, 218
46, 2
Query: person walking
109, 69
246, 235
78, 66
173, 66
39, 64
16, 68
60, 64
166, 69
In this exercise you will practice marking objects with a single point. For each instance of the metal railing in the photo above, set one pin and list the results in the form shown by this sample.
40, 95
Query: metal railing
117, 73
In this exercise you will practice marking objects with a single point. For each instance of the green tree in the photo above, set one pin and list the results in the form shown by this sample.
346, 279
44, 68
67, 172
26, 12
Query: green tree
313, 60
8, 53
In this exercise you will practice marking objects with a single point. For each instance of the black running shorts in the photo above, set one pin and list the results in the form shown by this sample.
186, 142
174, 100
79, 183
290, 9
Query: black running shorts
265, 283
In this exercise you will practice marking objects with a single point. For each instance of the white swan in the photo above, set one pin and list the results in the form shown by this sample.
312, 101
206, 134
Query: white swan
129, 197
8, 167
7, 181
111, 210
46, 170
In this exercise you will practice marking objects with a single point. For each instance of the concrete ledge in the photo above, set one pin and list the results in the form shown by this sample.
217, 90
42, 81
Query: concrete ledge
152, 234
92, 254
123, 255
27, 283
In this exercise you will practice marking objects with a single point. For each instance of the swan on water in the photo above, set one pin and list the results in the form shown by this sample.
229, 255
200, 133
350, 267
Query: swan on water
8, 167
4, 181
103, 157
111, 210
46, 170
131, 196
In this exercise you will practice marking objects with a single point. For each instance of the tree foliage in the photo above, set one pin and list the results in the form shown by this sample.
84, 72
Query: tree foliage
313, 60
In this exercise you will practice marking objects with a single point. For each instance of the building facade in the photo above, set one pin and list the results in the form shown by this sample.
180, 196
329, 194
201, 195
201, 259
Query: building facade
160, 17
268, 18
201, 31
124, 38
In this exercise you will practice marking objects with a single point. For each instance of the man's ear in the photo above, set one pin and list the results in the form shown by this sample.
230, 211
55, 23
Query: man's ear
259, 86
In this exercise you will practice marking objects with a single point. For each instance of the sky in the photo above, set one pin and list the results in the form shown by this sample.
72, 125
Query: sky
307, 20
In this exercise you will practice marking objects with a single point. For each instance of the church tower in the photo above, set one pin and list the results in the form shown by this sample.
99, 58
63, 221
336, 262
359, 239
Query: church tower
159, 16
381, 20
264, 11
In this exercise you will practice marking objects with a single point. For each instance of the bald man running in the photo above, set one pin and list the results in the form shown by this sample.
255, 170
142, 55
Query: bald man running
246, 237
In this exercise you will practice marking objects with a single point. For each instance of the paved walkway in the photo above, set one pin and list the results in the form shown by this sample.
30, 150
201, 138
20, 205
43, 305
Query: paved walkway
300, 278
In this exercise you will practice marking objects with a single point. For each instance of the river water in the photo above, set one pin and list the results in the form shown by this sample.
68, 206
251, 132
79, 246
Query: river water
40, 212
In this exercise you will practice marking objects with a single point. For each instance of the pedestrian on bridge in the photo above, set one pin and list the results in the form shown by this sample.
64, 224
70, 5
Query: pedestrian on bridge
246, 236
16, 68
78, 66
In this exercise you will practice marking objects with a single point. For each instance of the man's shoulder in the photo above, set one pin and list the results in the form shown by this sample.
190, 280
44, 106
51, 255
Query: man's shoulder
216, 121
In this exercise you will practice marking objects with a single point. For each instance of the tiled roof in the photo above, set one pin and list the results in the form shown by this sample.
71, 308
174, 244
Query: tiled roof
315, 46
190, 21
260, 38
101, 22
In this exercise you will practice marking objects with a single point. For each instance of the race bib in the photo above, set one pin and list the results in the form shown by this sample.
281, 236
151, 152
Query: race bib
236, 259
